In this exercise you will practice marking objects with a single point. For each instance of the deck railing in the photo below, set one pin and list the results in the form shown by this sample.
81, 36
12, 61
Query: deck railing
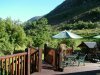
53, 57
13, 64
36, 61
20, 64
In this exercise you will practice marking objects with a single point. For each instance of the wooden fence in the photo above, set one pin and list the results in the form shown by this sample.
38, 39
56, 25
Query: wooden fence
20, 64
36, 61
53, 57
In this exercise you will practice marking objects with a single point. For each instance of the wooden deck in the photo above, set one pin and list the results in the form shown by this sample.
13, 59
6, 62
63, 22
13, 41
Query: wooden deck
88, 69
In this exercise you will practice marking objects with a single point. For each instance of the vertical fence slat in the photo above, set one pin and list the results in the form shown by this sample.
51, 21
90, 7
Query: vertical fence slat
2, 67
21, 65
12, 65
35, 61
6, 65
24, 65
40, 60
9, 66
57, 57
28, 62
53, 59
16, 65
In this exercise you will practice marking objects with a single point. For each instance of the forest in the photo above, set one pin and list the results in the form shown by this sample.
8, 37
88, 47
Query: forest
15, 35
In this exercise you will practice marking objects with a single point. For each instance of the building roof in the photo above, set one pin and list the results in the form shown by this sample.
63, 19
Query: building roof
88, 44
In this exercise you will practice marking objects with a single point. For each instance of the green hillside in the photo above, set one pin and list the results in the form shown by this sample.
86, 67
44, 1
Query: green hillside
74, 10
35, 18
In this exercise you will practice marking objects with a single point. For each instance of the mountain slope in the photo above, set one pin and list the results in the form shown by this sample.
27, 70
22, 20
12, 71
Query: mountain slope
35, 18
75, 10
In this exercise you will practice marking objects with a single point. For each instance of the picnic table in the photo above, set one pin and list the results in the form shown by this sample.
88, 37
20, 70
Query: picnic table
69, 60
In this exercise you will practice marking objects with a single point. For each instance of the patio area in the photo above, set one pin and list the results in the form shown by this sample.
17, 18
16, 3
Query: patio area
88, 69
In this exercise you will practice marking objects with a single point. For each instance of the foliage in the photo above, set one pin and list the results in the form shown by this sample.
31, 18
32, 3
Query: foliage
80, 25
11, 34
14, 35
40, 32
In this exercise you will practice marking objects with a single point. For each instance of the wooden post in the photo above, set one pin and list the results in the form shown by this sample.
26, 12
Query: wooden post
45, 52
27, 63
40, 60
54, 58
28, 60
59, 60
56, 63
12, 66
57, 57
18, 65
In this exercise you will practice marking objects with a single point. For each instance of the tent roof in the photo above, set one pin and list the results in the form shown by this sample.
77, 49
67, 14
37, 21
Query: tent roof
88, 44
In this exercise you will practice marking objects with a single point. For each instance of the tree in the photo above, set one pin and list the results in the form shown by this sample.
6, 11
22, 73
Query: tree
11, 34
42, 21
40, 32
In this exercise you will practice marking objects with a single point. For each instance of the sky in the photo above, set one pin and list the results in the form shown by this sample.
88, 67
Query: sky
23, 10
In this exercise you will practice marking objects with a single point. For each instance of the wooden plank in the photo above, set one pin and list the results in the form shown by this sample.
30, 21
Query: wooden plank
40, 60
6, 67
57, 57
21, 63
14, 55
35, 62
9, 69
5, 64
28, 60
24, 64
2, 67
12, 65
16, 65
54, 58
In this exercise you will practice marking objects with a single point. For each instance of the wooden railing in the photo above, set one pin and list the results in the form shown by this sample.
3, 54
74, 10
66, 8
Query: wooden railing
20, 64
36, 61
53, 57
13, 64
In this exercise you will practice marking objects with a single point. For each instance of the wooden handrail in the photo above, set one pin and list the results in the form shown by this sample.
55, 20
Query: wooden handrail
21, 63
36, 61
14, 55
13, 64
55, 55
35, 52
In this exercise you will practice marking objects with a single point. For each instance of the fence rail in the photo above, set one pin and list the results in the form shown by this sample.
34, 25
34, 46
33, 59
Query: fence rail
53, 57
36, 61
21, 63
13, 64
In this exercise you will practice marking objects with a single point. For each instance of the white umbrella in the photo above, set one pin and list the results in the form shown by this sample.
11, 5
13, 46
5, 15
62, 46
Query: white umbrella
98, 36
66, 34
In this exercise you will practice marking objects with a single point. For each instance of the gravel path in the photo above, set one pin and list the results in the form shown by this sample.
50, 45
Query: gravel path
88, 69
